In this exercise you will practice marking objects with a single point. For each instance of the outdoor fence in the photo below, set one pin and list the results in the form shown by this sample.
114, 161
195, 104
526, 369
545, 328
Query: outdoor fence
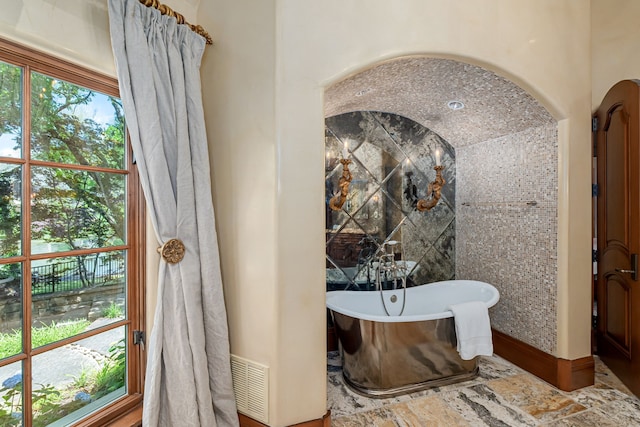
70, 275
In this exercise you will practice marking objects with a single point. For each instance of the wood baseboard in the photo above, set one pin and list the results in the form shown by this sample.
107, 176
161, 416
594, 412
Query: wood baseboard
325, 421
567, 375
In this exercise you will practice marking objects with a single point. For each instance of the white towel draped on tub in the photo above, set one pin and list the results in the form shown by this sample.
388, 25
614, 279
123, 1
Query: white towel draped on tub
473, 329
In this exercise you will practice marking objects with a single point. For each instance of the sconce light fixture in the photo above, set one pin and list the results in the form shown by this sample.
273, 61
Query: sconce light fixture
338, 200
434, 188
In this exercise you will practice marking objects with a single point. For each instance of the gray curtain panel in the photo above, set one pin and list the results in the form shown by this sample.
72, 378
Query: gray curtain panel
188, 379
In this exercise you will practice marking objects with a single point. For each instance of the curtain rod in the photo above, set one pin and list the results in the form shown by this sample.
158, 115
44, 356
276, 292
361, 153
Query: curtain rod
166, 10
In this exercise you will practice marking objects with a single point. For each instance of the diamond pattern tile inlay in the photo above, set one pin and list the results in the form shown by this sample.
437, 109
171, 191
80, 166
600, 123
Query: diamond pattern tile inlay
392, 165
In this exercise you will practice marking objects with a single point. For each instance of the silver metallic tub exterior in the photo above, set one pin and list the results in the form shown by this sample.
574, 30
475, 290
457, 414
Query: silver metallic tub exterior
385, 356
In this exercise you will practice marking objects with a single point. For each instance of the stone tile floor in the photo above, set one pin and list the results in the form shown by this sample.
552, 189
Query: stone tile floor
503, 395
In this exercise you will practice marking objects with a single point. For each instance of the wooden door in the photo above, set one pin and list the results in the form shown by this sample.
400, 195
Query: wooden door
618, 232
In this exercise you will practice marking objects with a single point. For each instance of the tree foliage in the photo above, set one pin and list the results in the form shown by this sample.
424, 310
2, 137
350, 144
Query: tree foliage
75, 207
9, 213
10, 99
10, 175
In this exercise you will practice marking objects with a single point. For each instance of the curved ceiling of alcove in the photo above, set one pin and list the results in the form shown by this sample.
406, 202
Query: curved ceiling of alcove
419, 88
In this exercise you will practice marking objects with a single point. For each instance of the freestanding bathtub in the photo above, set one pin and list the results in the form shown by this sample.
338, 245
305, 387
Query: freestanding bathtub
387, 355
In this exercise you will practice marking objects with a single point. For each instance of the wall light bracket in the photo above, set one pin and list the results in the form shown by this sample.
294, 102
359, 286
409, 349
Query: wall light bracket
433, 191
338, 200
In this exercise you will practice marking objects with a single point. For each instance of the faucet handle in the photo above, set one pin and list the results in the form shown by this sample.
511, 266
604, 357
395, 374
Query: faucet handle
391, 243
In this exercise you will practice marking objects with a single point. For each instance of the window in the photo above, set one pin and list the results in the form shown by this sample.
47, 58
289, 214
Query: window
71, 229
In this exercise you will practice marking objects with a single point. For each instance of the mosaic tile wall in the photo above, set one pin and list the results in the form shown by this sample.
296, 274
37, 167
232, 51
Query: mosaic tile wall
507, 229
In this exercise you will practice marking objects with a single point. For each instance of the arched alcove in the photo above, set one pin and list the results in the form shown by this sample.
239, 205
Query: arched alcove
506, 160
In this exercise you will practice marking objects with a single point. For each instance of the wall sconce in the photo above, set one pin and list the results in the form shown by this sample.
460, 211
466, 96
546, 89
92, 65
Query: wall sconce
338, 200
434, 188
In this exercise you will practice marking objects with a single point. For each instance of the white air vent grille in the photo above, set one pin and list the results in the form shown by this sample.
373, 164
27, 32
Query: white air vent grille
251, 386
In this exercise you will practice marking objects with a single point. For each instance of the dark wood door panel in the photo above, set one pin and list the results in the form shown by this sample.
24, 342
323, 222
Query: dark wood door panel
618, 231
618, 322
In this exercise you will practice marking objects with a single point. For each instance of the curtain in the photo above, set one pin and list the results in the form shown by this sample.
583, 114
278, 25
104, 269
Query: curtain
188, 378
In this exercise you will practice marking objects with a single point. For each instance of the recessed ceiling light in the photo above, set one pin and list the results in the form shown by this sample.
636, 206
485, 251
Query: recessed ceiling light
363, 91
455, 105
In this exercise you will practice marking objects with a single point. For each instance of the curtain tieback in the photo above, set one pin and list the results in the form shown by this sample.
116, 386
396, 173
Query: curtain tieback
172, 251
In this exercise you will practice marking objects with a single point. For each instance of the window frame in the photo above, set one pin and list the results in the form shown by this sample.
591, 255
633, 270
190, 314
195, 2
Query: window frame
33, 60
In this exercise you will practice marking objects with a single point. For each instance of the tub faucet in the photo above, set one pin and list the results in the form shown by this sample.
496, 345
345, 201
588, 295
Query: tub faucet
388, 267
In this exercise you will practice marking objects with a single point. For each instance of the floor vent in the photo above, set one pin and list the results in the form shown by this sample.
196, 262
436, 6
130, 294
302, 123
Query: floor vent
251, 386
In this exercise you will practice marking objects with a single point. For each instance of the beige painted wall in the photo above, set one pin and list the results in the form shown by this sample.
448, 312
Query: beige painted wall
615, 45
263, 83
541, 45
75, 30
238, 84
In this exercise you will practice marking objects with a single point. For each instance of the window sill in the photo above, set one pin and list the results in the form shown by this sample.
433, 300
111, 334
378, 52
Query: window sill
132, 418
125, 413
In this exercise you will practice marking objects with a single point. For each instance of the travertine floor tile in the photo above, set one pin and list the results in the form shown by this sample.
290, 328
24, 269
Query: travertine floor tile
590, 418
535, 397
431, 411
503, 395
481, 406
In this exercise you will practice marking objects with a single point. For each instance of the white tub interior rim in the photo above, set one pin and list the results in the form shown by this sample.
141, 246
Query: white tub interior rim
425, 302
